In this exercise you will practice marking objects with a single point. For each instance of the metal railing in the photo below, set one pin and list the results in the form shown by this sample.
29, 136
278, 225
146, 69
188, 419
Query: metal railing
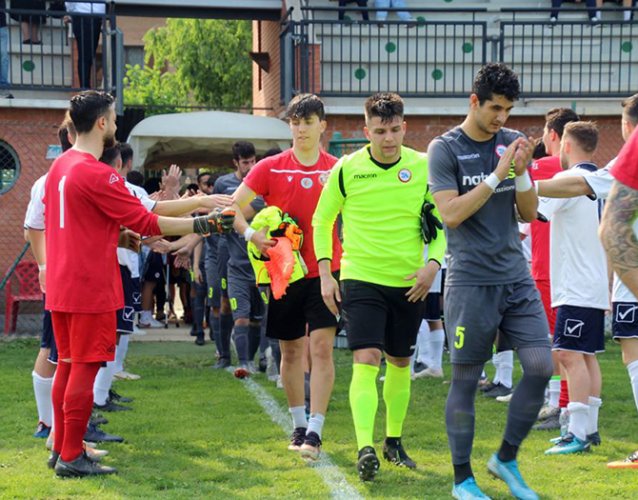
85, 52
434, 56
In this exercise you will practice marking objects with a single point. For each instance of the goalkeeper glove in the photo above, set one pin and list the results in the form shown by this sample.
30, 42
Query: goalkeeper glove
217, 221
429, 223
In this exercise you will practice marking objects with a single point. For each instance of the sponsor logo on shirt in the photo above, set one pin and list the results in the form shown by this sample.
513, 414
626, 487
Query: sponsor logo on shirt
500, 149
473, 180
471, 156
306, 182
364, 176
405, 175
323, 178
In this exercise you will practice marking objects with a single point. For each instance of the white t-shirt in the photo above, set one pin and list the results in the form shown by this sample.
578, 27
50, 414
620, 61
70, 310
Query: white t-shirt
578, 264
85, 7
126, 257
34, 218
600, 183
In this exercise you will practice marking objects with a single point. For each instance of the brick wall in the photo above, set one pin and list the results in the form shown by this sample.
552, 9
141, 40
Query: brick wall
266, 84
422, 129
28, 132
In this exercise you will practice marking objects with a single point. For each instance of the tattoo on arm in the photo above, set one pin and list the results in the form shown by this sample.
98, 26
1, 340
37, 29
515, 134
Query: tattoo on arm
617, 231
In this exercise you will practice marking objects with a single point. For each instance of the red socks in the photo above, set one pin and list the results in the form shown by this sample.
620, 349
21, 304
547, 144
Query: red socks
60, 381
564, 394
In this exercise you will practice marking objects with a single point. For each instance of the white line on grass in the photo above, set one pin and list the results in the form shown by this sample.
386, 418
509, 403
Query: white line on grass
329, 472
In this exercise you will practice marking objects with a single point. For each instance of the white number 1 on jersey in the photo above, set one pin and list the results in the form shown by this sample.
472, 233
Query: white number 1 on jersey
61, 190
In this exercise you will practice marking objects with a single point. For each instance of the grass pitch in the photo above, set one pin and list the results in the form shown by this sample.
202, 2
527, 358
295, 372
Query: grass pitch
198, 433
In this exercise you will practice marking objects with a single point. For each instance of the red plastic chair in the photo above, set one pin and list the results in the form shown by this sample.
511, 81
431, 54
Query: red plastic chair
26, 275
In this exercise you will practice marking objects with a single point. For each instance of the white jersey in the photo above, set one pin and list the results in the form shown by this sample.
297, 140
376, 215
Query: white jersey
524, 229
578, 264
126, 257
600, 183
34, 218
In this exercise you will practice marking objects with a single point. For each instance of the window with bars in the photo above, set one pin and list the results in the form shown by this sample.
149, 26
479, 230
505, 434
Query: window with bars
9, 167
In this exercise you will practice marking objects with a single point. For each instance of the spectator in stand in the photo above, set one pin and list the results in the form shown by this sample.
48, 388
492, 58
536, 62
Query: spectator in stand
4, 58
29, 23
86, 30
592, 6
382, 15
360, 3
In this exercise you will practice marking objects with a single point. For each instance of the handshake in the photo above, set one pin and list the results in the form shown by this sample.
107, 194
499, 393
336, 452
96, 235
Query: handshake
217, 221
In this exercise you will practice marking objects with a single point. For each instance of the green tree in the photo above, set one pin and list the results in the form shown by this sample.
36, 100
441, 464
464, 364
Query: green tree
193, 62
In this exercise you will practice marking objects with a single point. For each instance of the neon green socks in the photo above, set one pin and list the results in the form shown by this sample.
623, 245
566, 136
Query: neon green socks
364, 401
396, 394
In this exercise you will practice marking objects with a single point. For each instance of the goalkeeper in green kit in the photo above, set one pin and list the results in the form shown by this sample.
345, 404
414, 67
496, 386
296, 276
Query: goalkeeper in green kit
388, 215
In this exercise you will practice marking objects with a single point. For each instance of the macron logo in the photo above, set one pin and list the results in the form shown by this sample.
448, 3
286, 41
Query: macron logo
471, 156
365, 176
473, 180
113, 179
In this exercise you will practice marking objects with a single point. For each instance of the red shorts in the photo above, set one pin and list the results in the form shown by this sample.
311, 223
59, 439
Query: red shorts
545, 290
85, 338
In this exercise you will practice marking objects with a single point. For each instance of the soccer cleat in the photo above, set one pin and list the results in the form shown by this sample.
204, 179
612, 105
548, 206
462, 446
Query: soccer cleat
485, 385
548, 411
263, 364
504, 399
124, 375
594, 438
418, 367
497, 390
94, 454
42, 431
509, 473
468, 490
110, 406
222, 364
80, 467
95, 435
428, 372
297, 438
550, 424
114, 396
631, 462
152, 323
368, 463
311, 447
200, 340
569, 444
394, 452
242, 371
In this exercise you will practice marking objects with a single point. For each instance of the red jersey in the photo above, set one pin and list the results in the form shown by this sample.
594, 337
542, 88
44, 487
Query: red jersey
544, 168
295, 188
86, 201
625, 169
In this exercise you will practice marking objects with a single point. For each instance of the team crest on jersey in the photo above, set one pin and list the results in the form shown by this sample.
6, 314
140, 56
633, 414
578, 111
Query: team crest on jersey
323, 178
500, 149
405, 175
306, 182
113, 179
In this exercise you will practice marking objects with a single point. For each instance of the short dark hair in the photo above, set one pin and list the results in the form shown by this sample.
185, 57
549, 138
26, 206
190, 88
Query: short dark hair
65, 129
271, 152
584, 133
152, 185
126, 151
110, 155
385, 105
630, 109
304, 106
496, 78
200, 175
213, 177
539, 149
557, 118
135, 177
86, 107
243, 149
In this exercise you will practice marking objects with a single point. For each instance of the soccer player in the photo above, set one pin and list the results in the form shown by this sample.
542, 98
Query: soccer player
86, 202
479, 180
245, 301
578, 269
384, 278
293, 181
546, 168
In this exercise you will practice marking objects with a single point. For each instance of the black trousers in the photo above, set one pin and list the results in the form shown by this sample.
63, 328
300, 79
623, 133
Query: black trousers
86, 31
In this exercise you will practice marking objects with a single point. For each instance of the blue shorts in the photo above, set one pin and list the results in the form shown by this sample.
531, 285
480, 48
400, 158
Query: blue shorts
624, 324
579, 329
47, 341
126, 316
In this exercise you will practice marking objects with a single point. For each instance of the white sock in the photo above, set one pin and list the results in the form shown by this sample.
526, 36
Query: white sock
120, 353
102, 383
599, 15
146, 317
594, 406
632, 369
42, 391
554, 391
627, 15
437, 340
315, 424
423, 344
495, 361
298, 416
578, 419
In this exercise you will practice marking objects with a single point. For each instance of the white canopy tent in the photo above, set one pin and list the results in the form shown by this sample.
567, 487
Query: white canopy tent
203, 134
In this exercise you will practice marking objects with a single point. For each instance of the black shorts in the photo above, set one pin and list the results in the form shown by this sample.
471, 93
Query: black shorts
432, 309
579, 329
380, 317
624, 324
47, 340
154, 268
302, 305
126, 316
